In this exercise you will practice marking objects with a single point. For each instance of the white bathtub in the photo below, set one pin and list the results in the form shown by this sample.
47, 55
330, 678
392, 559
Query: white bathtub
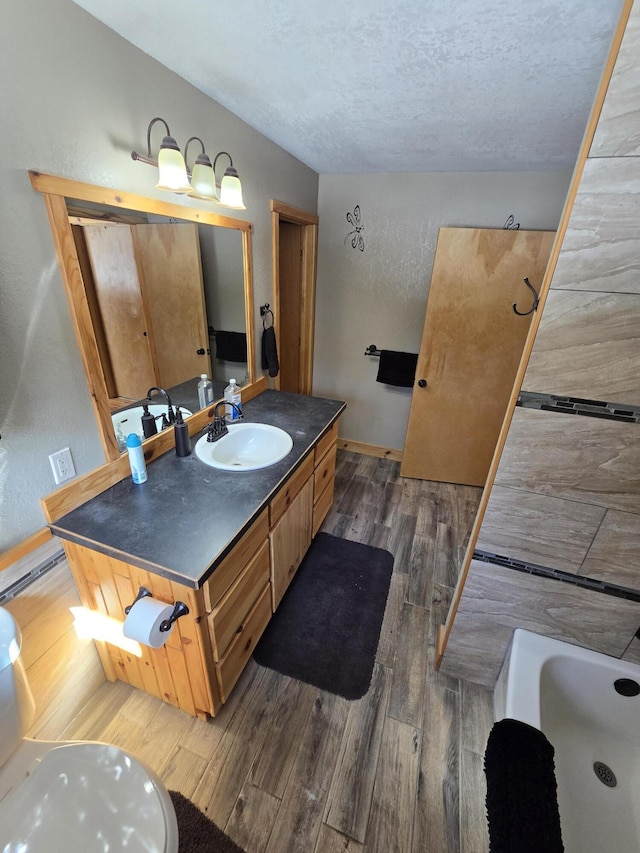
568, 693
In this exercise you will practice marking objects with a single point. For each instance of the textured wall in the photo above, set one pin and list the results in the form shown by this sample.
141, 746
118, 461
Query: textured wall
76, 98
379, 295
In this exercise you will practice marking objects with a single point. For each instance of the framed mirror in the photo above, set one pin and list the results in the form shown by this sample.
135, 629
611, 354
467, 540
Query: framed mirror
158, 293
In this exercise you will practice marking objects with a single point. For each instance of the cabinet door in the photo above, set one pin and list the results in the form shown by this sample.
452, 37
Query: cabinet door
290, 539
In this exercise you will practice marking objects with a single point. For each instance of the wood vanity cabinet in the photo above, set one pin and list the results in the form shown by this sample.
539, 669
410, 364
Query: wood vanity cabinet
209, 647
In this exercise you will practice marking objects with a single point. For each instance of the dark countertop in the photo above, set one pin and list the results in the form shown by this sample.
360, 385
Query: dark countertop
187, 516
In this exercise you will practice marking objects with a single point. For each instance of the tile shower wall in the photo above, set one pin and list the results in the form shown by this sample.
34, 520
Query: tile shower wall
566, 495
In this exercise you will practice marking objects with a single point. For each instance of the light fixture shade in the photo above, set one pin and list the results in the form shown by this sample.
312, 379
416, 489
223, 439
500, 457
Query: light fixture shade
203, 181
231, 190
172, 171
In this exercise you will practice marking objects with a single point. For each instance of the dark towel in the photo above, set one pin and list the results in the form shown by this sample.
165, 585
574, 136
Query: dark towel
522, 805
270, 352
397, 368
231, 346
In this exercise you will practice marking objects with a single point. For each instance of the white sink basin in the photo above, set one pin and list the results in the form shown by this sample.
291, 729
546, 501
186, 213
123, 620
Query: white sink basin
128, 421
246, 447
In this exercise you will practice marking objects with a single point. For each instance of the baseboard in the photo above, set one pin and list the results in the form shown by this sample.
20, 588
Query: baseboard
12, 555
370, 449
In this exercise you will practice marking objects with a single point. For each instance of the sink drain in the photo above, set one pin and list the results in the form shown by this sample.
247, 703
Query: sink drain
626, 687
605, 774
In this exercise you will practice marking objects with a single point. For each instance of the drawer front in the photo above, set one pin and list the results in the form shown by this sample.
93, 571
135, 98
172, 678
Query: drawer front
285, 496
324, 472
234, 563
229, 614
326, 441
322, 507
229, 669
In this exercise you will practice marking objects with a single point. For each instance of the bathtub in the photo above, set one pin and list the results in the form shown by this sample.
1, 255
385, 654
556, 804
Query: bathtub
571, 695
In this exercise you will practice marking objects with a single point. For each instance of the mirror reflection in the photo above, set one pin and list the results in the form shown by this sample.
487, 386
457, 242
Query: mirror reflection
167, 302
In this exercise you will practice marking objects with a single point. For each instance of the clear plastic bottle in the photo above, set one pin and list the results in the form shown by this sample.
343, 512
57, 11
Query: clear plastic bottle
232, 395
136, 458
205, 391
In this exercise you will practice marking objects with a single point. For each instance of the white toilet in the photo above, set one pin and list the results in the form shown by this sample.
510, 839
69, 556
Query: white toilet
57, 797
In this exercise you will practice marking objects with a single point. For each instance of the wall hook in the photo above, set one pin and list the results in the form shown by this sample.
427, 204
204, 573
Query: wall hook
536, 299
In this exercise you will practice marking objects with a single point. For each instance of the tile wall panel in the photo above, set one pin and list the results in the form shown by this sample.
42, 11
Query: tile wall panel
538, 529
585, 459
601, 247
614, 555
618, 131
497, 600
595, 337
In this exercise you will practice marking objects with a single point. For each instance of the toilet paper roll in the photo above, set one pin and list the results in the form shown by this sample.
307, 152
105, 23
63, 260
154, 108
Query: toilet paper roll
143, 622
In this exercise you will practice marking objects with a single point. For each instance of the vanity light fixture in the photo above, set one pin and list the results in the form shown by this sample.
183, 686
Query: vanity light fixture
172, 171
173, 175
230, 186
203, 179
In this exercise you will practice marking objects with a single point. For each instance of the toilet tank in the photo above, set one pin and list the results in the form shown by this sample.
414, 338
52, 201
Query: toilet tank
17, 708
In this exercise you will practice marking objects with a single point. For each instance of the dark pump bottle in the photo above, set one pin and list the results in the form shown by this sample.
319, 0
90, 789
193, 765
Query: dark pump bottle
183, 439
149, 427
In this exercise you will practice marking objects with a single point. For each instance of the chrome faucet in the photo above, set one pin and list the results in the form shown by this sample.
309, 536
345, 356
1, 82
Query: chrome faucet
170, 417
219, 427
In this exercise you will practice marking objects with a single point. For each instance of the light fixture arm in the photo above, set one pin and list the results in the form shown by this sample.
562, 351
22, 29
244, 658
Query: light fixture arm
201, 156
148, 158
219, 154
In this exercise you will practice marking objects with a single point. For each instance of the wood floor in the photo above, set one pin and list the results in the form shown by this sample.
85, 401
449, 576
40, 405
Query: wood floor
285, 767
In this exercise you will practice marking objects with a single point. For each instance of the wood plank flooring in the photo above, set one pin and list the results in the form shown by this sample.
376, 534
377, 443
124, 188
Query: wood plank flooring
285, 767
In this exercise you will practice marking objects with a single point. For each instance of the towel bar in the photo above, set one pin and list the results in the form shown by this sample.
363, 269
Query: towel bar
372, 349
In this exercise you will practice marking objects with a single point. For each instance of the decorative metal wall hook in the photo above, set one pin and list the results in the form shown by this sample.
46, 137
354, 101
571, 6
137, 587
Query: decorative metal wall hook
536, 299
264, 310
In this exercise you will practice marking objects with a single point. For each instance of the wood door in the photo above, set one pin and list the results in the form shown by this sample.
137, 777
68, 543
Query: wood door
295, 249
290, 258
171, 279
471, 347
123, 325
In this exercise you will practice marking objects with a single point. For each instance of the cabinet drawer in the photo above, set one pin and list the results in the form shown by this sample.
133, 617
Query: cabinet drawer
229, 669
231, 611
234, 563
285, 496
324, 472
326, 441
322, 507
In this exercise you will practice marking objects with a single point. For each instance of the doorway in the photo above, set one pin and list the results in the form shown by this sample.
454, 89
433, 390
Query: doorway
295, 251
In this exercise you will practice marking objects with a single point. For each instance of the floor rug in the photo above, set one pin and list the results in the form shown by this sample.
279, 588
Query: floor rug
196, 833
325, 631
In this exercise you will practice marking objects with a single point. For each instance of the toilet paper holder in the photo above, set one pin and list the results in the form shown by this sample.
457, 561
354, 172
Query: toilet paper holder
179, 608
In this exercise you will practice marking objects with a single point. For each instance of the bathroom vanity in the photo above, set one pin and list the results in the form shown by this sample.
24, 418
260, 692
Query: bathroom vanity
227, 544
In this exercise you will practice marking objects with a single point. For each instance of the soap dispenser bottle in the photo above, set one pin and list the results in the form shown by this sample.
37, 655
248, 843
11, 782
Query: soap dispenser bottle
181, 431
205, 391
149, 427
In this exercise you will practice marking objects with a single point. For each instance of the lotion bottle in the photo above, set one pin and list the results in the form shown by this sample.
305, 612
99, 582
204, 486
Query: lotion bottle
136, 459
232, 395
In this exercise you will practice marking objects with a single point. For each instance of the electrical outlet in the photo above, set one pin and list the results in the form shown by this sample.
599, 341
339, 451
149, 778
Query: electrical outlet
62, 465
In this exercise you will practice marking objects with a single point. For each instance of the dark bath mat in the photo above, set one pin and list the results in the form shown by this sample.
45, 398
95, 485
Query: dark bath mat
198, 834
325, 631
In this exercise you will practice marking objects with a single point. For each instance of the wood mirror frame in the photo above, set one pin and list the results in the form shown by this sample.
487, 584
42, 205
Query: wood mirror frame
56, 191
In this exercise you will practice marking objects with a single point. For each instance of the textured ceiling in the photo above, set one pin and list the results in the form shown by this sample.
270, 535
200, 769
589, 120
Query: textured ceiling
378, 86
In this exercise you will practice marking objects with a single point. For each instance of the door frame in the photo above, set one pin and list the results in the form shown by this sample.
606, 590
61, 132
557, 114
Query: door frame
282, 212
